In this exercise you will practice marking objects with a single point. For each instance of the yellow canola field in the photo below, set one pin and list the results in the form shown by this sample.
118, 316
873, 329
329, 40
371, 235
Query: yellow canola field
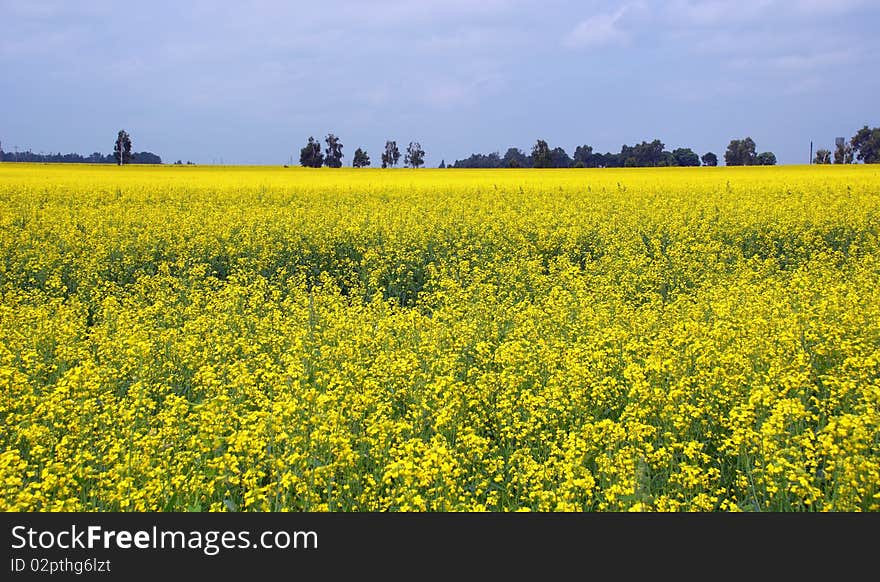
210, 338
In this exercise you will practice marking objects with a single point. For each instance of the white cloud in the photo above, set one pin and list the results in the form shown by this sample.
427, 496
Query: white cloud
723, 13
598, 30
796, 63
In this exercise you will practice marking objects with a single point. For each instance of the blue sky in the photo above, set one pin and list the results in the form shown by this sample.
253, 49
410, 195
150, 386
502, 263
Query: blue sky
248, 82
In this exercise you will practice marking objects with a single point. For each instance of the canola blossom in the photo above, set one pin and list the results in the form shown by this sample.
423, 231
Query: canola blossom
270, 339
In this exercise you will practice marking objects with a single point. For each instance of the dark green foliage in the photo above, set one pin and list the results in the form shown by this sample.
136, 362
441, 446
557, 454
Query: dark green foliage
333, 154
95, 158
515, 158
122, 148
415, 155
609, 160
866, 144
844, 154
741, 152
361, 159
685, 157
310, 156
645, 154
559, 158
391, 155
485, 161
541, 155
145, 158
583, 154
766, 159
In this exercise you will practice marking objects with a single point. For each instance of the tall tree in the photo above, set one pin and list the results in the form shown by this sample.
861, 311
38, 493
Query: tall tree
866, 144
541, 156
361, 159
310, 156
823, 156
492, 160
741, 152
843, 153
709, 159
644, 154
609, 160
650, 154
584, 154
391, 155
122, 148
415, 155
766, 159
685, 157
333, 157
560, 158
515, 158
442, 164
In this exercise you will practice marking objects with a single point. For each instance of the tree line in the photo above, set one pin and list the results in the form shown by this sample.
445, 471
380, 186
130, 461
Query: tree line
864, 146
95, 158
640, 155
312, 156
122, 154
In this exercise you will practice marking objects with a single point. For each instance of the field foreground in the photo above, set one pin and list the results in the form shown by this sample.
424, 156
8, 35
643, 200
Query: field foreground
362, 340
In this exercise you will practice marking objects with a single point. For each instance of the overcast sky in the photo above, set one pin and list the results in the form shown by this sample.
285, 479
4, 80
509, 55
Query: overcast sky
248, 82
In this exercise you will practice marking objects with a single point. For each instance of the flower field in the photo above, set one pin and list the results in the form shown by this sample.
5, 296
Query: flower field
210, 338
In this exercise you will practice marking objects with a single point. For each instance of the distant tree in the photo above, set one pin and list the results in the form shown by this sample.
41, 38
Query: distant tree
866, 145
333, 154
122, 148
560, 159
391, 155
766, 159
644, 154
578, 164
667, 160
415, 155
741, 152
685, 157
492, 160
361, 159
823, 156
541, 156
310, 156
709, 159
583, 154
515, 158
442, 164
843, 153
609, 160
145, 158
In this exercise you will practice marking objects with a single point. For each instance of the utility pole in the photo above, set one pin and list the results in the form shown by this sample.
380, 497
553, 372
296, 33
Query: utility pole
811, 152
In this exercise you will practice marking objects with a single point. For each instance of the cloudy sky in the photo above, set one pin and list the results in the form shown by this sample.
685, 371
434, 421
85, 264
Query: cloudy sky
248, 82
